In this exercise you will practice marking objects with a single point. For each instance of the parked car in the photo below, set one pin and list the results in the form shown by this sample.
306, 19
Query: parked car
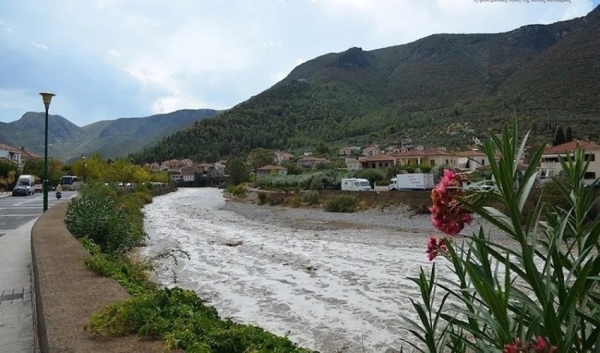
20, 191
38, 188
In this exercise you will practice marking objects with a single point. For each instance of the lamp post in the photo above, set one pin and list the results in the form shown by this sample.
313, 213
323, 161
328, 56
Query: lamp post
47, 98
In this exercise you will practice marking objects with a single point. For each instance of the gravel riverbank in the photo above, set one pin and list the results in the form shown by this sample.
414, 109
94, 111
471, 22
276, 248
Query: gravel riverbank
393, 218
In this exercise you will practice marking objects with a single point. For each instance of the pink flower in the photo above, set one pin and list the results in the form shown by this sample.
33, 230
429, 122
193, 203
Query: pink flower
434, 246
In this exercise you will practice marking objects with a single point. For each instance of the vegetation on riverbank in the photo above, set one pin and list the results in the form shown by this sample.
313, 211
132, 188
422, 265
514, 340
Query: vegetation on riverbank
109, 223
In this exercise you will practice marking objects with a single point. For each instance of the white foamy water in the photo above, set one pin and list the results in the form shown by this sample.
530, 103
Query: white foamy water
331, 291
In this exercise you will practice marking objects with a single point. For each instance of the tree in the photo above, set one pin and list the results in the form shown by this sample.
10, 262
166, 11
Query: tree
569, 135
560, 137
238, 170
321, 149
260, 157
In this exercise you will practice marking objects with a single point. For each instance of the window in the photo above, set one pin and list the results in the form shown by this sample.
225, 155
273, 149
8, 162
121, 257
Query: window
482, 161
590, 157
589, 175
447, 162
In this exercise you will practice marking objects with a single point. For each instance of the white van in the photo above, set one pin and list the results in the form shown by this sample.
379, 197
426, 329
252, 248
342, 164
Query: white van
28, 181
356, 184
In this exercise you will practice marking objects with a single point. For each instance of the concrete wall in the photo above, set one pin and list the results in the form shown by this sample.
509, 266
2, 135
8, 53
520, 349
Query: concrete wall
67, 293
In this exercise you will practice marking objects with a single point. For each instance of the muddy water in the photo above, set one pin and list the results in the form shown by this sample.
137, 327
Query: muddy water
327, 290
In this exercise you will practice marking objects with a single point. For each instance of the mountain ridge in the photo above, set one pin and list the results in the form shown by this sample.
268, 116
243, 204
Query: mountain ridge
111, 138
443, 88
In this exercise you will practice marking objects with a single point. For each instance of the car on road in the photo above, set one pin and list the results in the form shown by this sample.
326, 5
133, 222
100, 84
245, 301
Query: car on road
20, 191
38, 188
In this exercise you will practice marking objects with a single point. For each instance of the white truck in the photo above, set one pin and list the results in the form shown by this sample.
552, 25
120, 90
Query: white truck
28, 181
356, 184
412, 181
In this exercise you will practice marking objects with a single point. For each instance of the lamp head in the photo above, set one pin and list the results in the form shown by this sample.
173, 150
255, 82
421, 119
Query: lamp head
47, 98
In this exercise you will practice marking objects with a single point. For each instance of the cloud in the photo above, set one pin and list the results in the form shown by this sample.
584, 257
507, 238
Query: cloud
39, 46
135, 57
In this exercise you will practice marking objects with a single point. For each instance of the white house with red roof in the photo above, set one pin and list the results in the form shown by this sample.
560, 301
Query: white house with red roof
550, 162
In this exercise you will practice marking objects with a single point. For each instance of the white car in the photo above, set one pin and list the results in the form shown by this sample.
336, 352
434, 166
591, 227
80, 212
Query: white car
484, 185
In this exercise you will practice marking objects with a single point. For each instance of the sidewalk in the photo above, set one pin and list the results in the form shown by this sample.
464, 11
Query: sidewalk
16, 286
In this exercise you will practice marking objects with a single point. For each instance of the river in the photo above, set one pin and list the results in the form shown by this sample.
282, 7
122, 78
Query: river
330, 290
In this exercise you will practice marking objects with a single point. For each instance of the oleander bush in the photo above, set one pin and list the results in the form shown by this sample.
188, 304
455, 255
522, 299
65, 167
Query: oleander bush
540, 292
99, 216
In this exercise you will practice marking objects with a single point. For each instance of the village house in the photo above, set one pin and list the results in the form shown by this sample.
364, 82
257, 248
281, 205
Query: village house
220, 167
378, 161
469, 161
186, 162
204, 167
268, 170
310, 162
10, 153
349, 151
431, 156
371, 150
27, 156
353, 164
550, 163
283, 157
188, 173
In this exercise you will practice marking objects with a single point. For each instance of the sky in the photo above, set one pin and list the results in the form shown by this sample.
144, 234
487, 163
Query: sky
107, 59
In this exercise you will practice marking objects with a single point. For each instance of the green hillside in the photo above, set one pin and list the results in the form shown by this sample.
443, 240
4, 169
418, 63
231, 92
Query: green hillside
111, 138
440, 90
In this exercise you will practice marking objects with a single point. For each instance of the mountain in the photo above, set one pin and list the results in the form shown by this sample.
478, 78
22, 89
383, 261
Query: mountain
111, 138
442, 89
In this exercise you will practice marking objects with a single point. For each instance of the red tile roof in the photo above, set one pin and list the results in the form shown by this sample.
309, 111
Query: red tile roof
377, 158
470, 154
8, 148
272, 167
571, 146
312, 159
422, 153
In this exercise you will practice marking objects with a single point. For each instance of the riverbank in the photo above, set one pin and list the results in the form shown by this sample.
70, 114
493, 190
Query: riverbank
392, 218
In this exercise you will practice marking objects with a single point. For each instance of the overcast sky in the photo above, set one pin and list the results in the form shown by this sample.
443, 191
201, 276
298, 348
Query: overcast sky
106, 59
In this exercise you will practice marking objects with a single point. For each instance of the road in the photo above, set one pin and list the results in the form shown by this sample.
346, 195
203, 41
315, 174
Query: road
16, 211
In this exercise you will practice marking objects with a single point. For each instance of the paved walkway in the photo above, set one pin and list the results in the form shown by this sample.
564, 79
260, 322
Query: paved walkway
16, 287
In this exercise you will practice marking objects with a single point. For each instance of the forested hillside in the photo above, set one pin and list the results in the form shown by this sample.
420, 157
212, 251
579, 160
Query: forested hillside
442, 89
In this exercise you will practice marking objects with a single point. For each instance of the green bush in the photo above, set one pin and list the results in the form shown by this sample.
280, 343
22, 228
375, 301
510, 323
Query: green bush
296, 201
342, 203
311, 197
262, 197
186, 322
99, 216
276, 199
316, 184
237, 190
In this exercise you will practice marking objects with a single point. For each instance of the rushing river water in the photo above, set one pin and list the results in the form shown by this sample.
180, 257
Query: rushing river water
327, 290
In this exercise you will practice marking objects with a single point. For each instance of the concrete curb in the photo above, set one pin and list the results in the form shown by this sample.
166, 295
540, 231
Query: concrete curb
67, 292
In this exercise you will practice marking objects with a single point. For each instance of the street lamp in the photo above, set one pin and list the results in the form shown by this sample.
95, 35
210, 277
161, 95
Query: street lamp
47, 98
83, 165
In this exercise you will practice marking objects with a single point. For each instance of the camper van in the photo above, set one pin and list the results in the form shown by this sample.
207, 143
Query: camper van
27, 181
356, 184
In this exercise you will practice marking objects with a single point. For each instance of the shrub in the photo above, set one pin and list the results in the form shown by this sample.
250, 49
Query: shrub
237, 191
316, 184
262, 197
342, 203
296, 201
276, 199
98, 216
185, 321
311, 197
